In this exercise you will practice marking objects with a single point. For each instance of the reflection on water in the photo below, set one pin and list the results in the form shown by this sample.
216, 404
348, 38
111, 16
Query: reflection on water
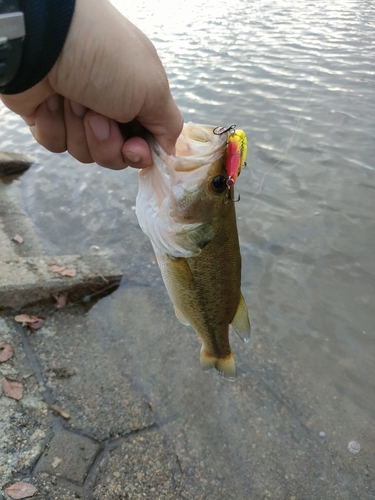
300, 81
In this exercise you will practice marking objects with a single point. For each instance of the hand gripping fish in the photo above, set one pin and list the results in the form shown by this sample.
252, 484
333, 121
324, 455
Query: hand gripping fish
183, 207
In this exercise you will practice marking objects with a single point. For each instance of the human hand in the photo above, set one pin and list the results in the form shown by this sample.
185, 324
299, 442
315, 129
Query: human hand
107, 73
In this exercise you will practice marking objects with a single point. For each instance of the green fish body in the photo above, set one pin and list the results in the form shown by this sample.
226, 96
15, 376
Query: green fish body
182, 205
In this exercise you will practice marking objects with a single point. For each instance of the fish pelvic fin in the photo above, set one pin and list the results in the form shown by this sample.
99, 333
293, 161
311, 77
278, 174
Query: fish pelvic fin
225, 366
241, 322
181, 317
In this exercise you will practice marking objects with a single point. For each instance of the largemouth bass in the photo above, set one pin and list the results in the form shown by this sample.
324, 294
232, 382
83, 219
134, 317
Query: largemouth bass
184, 205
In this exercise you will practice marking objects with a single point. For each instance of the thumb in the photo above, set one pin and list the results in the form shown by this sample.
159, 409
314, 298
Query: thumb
165, 124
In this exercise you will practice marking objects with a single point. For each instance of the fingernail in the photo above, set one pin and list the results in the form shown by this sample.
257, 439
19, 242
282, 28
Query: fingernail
100, 127
53, 103
132, 157
78, 109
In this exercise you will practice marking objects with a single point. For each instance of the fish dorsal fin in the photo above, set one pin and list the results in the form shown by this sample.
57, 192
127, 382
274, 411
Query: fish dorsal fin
241, 322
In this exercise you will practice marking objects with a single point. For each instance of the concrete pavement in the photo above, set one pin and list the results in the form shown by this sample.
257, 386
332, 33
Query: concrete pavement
69, 433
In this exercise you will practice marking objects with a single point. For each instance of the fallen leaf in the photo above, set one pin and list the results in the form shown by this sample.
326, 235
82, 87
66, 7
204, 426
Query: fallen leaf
101, 276
60, 411
26, 318
51, 262
56, 462
21, 490
6, 352
61, 299
56, 269
12, 388
69, 272
18, 239
37, 324
33, 322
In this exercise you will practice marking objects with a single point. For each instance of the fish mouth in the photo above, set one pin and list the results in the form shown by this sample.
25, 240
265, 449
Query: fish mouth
199, 142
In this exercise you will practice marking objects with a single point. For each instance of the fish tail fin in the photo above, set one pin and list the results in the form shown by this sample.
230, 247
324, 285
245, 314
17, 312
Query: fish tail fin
225, 366
241, 322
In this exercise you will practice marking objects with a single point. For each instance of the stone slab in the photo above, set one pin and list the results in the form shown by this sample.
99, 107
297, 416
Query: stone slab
68, 456
13, 220
87, 371
24, 424
27, 281
143, 466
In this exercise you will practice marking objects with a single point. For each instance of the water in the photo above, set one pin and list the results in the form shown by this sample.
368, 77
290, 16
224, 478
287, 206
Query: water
300, 80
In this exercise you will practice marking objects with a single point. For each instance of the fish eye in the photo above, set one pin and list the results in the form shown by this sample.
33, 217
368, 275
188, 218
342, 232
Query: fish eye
219, 184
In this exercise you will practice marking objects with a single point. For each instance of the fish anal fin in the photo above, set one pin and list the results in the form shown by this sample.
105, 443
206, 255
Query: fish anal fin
241, 322
181, 317
225, 366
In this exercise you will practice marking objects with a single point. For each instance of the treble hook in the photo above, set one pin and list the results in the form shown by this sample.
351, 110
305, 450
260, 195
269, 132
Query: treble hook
223, 130
228, 195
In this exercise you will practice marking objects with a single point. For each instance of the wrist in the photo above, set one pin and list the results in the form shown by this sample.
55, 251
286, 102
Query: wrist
46, 25
12, 33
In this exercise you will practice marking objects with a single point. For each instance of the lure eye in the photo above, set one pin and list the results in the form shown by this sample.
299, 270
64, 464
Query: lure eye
219, 184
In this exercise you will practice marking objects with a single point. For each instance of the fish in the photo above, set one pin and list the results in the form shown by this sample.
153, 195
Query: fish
184, 205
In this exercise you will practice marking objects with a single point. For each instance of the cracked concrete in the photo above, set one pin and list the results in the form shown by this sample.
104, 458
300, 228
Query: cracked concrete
80, 450
109, 446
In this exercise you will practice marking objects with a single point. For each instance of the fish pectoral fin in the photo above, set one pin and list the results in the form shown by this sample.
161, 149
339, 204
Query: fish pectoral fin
181, 317
195, 237
225, 366
241, 322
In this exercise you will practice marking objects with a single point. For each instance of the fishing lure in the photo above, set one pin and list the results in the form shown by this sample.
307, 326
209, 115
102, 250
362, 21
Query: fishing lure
236, 155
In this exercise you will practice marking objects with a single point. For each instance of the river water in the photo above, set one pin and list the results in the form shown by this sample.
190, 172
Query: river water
299, 78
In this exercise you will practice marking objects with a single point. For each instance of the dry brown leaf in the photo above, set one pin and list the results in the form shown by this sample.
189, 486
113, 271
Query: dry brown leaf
26, 318
12, 388
50, 262
33, 322
56, 462
60, 411
6, 352
61, 299
69, 272
21, 490
18, 239
37, 324
56, 269
101, 276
